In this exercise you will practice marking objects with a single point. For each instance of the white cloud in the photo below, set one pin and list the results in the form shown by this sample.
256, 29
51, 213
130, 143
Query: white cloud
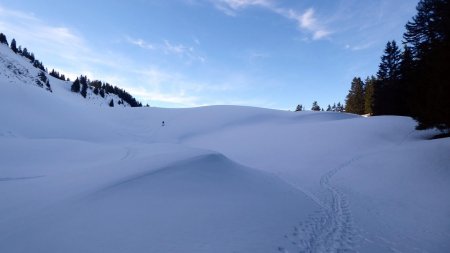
31, 30
140, 43
169, 48
179, 98
229, 7
306, 21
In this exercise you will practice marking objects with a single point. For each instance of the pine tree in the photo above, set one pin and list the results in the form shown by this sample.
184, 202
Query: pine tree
386, 88
299, 108
102, 93
428, 35
368, 94
83, 91
315, 106
339, 107
389, 68
111, 103
14, 46
329, 108
355, 99
3, 39
76, 86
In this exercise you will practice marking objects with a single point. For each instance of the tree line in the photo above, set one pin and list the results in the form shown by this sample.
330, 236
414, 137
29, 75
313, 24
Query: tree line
82, 83
412, 81
316, 107
23, 52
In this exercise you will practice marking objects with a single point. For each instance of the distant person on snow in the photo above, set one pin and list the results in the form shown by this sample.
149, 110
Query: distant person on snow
163, 123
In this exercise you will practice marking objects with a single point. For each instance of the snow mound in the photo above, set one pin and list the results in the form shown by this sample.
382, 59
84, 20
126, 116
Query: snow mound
206, 203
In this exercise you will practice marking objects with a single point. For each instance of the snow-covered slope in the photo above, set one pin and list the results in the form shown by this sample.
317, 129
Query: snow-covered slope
78, 177
16, 69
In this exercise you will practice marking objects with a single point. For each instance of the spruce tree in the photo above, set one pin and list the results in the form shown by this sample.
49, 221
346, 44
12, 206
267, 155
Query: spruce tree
355, 99
315, 106
388, 76
111, 103
339, 107
3, 39
14, 46
83, 91
76, 86
428, 36
369, 87
299, 108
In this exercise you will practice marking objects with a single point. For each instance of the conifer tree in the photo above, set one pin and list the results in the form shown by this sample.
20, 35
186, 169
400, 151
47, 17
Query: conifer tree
14, 46
83, 91
299, 108
3, 39
76, 86
368, 94
111, 103
355, 99
386, 89
329, 108
428, 36
315, 106
339, 107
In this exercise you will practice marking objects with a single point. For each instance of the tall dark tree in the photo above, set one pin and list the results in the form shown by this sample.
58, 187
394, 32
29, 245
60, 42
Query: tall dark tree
76, 86
14, 46
428, 35
25, 53
386, 92
111, 103
389, 68
369, 87
3, 39
84, 88
354, 102
299, 108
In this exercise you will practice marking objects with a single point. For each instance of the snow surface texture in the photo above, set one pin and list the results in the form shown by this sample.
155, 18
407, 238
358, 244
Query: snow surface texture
78, 176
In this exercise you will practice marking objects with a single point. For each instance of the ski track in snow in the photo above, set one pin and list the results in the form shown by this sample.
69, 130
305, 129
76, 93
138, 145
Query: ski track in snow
329, 229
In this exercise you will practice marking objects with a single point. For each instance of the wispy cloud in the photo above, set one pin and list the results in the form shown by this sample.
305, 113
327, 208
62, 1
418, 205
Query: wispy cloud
306, 20
30, 28
140, 43
229, 7
169, 48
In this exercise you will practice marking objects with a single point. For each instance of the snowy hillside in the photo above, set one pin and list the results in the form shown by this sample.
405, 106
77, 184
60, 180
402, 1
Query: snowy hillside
16, 69
79, 177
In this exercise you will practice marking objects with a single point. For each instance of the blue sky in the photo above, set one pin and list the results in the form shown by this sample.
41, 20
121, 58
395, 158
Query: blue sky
183, 53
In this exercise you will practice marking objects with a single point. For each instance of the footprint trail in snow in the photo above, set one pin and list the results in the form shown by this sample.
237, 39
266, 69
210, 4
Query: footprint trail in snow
329, 229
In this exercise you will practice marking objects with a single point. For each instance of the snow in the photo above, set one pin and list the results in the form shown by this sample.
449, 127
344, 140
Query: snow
79, 176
